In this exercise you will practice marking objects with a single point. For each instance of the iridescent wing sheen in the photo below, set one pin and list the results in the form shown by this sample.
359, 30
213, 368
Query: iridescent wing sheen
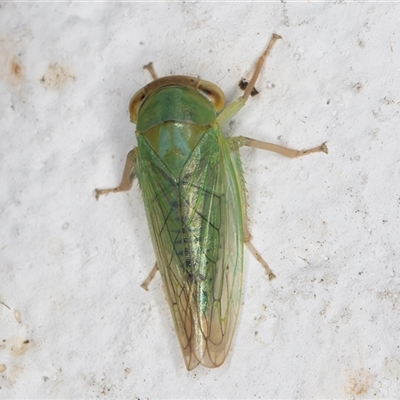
196, 226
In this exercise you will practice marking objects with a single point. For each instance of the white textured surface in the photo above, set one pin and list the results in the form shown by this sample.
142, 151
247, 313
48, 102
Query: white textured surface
328, 326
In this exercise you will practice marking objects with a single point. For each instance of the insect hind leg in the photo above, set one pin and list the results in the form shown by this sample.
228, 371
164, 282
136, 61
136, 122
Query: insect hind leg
234, 145
146, 282
257, 255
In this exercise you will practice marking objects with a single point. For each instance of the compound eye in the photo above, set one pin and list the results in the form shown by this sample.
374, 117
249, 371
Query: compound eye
213, 93
135, 103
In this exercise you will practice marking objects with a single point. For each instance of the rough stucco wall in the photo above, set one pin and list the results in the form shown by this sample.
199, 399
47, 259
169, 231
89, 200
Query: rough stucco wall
328, 326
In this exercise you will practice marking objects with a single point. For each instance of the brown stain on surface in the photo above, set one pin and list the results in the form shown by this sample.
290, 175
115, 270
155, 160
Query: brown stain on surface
358, 382
13, 373
11, 70
16, 69
56, 77
19, 346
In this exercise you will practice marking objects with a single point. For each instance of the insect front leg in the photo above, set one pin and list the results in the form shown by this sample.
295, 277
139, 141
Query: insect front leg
127, 177
229, 112
150, 68
145, 284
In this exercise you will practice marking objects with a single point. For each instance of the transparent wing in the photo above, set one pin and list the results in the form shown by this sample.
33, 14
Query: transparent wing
196, 226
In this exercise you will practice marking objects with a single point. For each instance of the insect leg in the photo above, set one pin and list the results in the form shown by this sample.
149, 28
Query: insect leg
226, 115
256, 254
235, 157
127, 177
145, 284
237, 142
150, 68
247, 241
284, 151
259, 65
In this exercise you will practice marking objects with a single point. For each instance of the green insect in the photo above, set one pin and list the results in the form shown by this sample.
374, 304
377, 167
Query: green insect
191, 179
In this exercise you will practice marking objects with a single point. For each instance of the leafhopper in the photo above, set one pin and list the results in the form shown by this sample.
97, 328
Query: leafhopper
192, 184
